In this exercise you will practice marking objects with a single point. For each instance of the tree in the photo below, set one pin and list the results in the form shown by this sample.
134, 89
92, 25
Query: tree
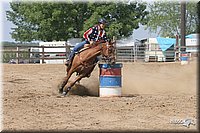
164, 17
48, 21
122, 17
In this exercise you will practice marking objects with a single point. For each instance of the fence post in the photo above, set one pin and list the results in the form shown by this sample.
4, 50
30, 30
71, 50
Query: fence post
17, 55
135, 56
67, 50
42, 54
29, 55
66, 45
115, 47
156, 48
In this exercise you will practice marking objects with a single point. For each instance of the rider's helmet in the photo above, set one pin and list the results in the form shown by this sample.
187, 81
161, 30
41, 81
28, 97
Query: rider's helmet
102, 21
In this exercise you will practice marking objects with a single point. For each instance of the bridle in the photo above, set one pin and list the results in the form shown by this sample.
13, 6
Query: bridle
109, 48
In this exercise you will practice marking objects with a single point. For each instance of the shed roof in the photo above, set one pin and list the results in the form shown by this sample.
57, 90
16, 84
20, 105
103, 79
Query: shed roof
192, 36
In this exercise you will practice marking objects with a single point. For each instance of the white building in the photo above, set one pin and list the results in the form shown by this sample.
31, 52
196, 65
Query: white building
192, 43
52, 51
159, 49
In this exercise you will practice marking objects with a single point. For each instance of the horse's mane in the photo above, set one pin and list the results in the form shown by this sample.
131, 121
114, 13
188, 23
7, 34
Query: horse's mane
97, 43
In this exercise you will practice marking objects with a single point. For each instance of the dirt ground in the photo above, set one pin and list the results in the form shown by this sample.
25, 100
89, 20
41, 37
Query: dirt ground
154, 97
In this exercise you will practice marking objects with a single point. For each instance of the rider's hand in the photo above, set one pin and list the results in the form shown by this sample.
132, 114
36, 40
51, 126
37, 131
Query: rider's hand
91, 42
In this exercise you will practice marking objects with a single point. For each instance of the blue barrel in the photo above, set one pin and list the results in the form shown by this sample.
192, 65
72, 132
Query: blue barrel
110, 79
184, 58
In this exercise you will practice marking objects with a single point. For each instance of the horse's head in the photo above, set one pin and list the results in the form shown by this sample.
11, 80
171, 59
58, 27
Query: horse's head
108, 51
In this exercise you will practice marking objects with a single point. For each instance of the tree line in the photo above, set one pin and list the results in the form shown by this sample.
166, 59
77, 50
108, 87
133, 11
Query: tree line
59, 21
49, 21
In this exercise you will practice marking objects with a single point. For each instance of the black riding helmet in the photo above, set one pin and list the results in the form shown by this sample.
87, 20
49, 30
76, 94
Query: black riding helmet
102, 21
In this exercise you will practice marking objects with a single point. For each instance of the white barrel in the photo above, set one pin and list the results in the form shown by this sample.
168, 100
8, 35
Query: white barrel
110, 79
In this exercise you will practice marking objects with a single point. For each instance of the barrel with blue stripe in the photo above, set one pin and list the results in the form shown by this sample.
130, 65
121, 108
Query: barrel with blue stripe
110, 79
184, 58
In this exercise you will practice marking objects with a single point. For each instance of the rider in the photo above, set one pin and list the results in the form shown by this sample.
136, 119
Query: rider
92, 35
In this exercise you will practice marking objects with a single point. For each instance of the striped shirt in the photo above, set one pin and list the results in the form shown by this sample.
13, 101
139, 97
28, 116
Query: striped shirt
95, 34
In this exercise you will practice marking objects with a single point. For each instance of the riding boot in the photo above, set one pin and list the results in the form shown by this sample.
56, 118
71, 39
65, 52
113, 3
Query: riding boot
67, 62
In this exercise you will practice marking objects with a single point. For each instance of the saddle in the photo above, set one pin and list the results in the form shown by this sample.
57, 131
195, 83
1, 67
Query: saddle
78, 52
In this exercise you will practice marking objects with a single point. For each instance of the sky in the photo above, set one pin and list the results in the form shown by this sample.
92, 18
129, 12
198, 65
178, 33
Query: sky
6, 26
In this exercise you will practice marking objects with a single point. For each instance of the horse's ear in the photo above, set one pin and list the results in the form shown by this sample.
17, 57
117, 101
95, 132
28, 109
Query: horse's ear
109, 40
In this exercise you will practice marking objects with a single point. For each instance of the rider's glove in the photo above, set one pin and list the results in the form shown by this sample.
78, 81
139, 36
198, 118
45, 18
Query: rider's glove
91, 42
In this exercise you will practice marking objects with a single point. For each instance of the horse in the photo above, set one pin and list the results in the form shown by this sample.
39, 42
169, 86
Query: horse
84, 62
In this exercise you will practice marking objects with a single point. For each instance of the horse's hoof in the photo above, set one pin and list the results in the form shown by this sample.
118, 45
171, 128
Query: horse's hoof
64, 93
60, 91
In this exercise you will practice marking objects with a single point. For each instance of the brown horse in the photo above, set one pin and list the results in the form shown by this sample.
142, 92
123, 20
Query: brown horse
84, 62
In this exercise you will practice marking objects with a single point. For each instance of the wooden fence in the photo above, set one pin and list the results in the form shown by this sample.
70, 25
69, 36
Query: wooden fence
22, 54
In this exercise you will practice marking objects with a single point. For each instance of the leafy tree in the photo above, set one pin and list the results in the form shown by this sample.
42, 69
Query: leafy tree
164, 17
48, 21
123, 18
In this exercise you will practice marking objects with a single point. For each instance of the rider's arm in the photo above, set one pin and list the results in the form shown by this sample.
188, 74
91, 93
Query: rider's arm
105, 37
93, 35
87, 33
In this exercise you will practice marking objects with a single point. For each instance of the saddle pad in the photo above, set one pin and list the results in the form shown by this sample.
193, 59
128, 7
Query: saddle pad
81, 50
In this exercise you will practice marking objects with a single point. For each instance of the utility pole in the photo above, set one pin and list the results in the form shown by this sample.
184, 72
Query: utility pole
198, 12
183, 12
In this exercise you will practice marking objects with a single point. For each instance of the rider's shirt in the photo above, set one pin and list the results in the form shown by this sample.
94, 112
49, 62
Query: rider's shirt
95, 34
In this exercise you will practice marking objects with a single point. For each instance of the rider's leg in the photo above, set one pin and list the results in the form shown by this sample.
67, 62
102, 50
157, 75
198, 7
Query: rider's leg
86, 45
79, 46
75, 49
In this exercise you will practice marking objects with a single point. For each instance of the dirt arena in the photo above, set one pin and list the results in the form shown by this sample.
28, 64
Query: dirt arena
154, 96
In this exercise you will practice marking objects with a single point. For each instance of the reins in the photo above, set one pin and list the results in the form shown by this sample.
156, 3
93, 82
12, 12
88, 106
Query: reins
93, 55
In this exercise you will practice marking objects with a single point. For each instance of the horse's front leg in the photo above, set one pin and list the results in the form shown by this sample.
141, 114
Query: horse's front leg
69, 85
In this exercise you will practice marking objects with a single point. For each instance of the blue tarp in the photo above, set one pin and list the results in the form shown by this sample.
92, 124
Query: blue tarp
165, 43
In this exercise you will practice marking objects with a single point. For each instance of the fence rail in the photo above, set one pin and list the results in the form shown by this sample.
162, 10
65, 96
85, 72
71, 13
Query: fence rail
23, 54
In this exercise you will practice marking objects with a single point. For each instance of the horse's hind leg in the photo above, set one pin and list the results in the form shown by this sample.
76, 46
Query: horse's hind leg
65, 80
62, 84
68, 86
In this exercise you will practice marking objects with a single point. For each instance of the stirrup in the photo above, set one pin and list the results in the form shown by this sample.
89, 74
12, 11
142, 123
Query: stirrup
67, 62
